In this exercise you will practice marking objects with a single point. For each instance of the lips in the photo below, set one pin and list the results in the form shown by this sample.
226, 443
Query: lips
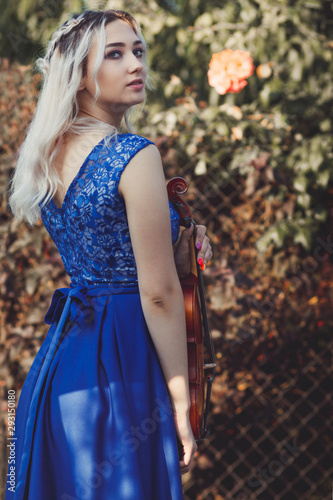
135, 82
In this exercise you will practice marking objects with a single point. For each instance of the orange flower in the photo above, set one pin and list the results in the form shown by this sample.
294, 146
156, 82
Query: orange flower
228, 70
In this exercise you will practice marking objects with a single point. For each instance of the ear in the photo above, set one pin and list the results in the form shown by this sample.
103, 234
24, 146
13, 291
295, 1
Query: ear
82, 85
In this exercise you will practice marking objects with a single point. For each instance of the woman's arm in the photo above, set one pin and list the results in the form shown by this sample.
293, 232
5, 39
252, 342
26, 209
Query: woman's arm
143, 188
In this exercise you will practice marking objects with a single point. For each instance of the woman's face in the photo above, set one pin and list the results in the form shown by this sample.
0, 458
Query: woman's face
122, 65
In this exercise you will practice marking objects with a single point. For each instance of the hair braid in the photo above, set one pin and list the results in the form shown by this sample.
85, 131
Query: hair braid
71, 24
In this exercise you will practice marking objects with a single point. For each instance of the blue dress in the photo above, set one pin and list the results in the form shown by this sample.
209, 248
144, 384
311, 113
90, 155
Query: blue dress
94, 419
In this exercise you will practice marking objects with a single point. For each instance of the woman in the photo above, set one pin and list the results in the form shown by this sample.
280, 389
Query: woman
107, 396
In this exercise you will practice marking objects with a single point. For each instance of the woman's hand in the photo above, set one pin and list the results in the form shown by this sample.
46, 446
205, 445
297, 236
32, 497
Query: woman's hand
185, 435
182, 253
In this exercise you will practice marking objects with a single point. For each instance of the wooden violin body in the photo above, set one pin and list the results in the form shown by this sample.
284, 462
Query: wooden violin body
195, 354
201, 355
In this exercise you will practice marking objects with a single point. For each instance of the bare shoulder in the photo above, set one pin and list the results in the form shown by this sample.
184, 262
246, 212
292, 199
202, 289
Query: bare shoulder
142, 169
149, 153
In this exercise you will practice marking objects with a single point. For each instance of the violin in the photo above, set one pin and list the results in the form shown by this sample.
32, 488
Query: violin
200, 347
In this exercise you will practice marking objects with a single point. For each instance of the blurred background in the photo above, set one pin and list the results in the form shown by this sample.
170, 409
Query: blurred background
259, 165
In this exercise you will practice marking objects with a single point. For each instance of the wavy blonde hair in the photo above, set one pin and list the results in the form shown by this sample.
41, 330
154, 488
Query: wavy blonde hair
35, 178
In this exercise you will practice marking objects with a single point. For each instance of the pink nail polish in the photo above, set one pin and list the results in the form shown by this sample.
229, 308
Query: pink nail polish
200, 261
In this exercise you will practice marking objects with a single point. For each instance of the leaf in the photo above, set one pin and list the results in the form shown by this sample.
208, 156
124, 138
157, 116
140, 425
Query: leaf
325, 125
313, 4
295, 65
200, 168
264, 96
205, 20
320, 214
304, 200
322, 178
275, 234
301, 183
315, 160
303, 236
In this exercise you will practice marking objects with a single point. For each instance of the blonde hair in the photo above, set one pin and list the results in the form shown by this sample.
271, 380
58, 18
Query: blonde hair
35, 178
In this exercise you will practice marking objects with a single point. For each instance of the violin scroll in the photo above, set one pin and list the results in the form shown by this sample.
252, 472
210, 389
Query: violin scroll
177, 187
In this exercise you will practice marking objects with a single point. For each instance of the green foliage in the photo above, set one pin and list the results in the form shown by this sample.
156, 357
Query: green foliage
284, 112
26, 26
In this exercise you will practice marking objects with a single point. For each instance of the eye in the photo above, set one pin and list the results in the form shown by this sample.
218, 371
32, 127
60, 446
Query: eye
114, 54
139, 52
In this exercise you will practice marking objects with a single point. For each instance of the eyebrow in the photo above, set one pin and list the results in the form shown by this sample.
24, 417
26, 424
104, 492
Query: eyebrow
121, 44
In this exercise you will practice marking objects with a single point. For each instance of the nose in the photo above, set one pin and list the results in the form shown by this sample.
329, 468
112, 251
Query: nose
135, 64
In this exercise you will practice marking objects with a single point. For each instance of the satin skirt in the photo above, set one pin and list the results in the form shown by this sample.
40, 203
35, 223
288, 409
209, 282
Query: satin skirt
94, 419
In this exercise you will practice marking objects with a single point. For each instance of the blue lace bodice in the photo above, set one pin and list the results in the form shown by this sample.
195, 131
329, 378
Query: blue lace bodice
90, 229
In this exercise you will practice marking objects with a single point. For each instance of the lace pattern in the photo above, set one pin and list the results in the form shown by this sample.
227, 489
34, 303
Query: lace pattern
90, 229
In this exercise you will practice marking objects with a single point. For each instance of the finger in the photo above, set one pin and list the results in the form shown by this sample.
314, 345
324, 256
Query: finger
189, 454
205, 253
184, 467
201, 231
208, 254
187, 462
201, 245
187, 233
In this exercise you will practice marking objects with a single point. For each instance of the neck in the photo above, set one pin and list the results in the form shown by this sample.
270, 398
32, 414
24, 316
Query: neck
103, 117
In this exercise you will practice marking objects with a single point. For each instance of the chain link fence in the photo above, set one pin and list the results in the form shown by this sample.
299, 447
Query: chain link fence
276, 444
271, 403
272, 397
